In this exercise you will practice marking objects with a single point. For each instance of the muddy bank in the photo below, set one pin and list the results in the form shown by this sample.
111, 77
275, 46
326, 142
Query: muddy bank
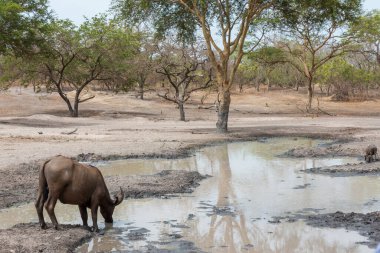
30, 238
367, 224
165, 182
332, 150
20, 184
347, 169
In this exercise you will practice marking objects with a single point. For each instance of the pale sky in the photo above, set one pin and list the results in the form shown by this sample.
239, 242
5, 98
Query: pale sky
75, 10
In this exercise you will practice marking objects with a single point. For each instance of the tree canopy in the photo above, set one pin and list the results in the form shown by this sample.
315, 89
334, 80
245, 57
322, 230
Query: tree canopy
73, 57
21, 24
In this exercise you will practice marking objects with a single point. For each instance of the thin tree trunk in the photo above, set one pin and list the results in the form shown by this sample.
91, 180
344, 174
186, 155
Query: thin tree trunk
297, 85
310, 93
141, 91
181, 111
223, 111
75, 112
67, 101
141, 84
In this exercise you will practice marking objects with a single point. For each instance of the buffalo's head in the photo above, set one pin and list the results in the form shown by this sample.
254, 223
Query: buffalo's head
107, 210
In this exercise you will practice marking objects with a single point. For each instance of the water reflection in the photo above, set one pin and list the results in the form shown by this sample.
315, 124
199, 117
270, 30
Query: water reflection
229, 229
232, 211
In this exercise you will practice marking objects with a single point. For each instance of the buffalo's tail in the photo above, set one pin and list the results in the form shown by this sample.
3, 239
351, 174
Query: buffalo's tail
43, 192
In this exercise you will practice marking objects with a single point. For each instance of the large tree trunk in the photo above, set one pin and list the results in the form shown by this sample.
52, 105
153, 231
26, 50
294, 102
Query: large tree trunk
223, 111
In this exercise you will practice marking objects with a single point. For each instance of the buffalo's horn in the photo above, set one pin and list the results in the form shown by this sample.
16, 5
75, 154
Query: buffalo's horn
119, 197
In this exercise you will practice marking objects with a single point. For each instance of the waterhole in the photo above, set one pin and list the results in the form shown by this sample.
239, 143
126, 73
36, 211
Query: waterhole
235, 209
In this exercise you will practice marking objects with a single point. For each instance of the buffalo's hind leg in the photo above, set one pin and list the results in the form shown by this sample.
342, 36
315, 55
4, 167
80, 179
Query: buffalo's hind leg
42, 196
49, 206
84, 215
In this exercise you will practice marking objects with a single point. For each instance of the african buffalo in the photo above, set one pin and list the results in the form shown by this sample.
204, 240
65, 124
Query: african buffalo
77, 184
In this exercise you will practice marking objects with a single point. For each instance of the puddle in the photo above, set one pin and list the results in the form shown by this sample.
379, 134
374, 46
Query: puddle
233, 210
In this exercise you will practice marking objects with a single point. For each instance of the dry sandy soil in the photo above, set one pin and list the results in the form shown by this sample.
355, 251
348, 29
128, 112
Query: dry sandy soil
35, 127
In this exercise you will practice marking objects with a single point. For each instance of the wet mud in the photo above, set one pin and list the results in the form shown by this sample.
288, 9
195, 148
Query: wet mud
367, 225
331, 150
31, 238
165, 182
18, 184
347, 169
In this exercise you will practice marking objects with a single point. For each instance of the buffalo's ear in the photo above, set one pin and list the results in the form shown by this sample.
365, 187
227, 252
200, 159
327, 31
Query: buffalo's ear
119, 197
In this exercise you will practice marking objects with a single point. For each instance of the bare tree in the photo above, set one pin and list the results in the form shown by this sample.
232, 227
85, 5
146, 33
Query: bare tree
185, 70
144, 63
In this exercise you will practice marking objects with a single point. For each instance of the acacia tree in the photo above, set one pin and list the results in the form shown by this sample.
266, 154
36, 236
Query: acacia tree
224, 24
313, 33
72, 58
186, 71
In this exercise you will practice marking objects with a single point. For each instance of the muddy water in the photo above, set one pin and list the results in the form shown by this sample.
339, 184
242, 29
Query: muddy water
235, 209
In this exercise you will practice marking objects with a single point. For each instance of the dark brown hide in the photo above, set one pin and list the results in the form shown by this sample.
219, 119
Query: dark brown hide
370, 153
77, 184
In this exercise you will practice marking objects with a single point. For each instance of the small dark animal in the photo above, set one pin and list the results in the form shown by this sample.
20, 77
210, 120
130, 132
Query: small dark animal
370, 153
77, 184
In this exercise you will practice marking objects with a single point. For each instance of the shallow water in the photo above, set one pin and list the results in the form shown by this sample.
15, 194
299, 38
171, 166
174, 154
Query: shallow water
233, 210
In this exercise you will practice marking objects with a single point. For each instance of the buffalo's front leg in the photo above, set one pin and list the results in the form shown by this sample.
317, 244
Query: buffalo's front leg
94, 214
84, 215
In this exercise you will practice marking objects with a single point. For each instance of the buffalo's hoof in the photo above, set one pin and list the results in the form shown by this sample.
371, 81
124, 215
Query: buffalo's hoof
43, 226
56, 227
95, 229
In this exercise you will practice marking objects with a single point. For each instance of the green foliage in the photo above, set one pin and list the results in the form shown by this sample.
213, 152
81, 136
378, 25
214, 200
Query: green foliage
366, 32
315, 14
339, 70
268, 55
168, 17
272, 67
21, 24
367, 28
165, 16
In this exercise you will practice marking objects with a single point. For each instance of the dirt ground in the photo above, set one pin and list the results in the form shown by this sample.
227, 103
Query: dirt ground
35, 127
